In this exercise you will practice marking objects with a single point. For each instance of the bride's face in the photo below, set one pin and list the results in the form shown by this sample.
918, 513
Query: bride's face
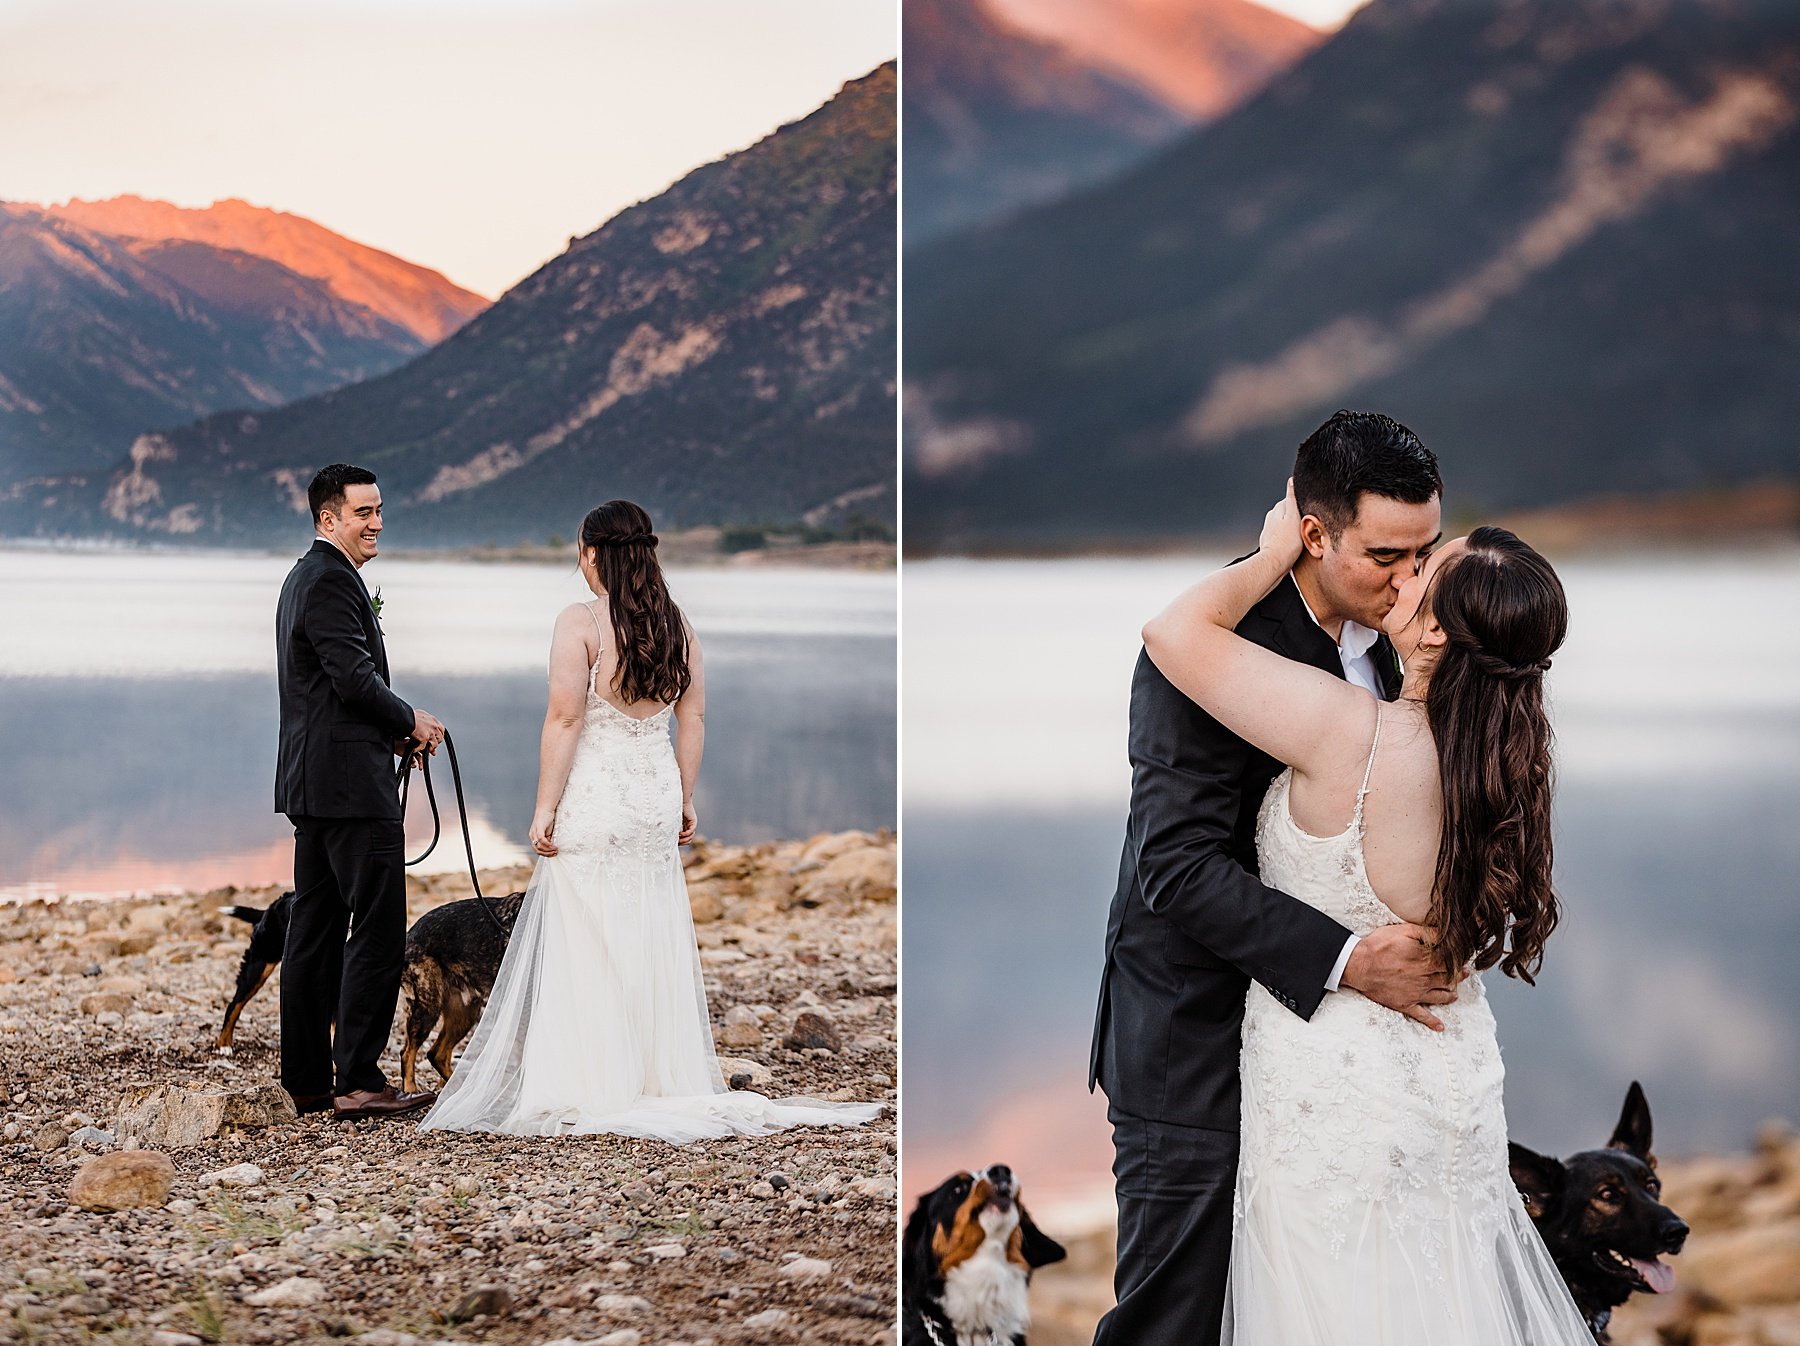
1408, 623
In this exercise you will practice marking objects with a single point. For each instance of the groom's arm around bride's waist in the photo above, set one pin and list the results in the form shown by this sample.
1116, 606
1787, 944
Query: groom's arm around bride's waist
1187, 831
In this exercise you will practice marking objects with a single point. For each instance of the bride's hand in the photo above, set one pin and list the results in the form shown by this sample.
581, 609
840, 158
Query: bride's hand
1281, 529
688, 824
543, 823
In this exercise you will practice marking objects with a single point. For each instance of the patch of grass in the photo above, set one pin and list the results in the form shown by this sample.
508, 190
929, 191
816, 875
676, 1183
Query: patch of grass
227, 1217
206, 1311
691, 1224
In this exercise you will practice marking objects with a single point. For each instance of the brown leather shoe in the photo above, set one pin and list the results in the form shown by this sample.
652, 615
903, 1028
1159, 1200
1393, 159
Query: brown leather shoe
305, 1103
388, 1102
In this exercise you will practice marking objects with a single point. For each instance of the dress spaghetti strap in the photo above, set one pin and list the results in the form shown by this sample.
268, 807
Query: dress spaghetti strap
1369, 770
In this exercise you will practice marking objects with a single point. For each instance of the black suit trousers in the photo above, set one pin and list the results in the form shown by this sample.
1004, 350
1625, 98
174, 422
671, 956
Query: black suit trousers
346, 948
1174, 1187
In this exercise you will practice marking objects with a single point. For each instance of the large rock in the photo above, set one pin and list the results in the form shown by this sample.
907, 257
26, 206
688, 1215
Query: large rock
128, 1180
168, 1117
1757, 1265
866, 874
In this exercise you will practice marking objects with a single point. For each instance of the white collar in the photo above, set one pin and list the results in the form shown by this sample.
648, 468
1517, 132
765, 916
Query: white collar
1354, 639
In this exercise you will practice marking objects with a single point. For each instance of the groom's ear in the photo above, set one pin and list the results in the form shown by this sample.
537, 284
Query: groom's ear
1538, 1177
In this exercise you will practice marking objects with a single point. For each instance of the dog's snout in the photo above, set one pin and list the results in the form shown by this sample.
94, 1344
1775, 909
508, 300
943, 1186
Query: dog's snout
1674, 1234
1000, 1178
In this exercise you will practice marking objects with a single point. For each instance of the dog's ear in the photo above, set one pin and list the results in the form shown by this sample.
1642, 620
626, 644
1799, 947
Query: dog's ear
1632, 1134
1538, 1177
1038, 1248
917, 1261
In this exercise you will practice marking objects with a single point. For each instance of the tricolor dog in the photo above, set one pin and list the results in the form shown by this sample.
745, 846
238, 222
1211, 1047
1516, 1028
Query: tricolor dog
968, 1254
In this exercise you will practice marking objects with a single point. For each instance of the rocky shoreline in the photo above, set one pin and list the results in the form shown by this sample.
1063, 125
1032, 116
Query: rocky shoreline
272, 1229
1737, 1283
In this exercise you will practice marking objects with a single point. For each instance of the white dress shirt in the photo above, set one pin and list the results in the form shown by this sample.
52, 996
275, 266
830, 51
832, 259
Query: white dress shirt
1354, 643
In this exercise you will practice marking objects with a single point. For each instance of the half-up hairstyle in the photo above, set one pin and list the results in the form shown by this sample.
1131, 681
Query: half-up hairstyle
648, 632
1504, 613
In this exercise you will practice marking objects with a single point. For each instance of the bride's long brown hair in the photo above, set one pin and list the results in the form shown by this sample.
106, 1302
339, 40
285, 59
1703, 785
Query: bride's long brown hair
648, 631
1504, 613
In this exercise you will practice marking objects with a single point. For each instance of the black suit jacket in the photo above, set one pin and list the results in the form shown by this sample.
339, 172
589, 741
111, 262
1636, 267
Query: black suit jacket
339, 719
1190, 923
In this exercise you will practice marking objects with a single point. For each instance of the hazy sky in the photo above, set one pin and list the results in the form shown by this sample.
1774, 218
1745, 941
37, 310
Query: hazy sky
1319, 13
473, 136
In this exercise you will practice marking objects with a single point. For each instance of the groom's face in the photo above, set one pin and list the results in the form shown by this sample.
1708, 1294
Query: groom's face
1363, 569
356, 524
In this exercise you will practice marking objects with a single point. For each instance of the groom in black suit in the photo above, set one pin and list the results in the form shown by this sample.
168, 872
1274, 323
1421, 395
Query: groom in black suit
341, 730
1191, 925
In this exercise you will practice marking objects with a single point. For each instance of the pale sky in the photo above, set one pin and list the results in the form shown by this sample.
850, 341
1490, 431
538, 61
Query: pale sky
1326, 14
472, 136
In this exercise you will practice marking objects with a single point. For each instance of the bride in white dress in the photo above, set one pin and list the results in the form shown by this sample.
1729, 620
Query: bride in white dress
597, 1021
1373, 1204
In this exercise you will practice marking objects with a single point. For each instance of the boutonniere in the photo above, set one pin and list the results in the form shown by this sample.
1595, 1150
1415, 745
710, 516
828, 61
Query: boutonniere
375, 602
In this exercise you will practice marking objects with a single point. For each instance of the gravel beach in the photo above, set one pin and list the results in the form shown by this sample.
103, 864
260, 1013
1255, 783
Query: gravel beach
275, 1229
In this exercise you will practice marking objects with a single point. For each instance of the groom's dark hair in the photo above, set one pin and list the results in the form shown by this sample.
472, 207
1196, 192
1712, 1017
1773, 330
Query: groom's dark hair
327, 489
1358, 451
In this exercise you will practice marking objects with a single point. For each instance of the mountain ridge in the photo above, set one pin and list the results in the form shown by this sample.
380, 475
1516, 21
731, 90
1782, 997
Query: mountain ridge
723, 352
1544, 238
411, 296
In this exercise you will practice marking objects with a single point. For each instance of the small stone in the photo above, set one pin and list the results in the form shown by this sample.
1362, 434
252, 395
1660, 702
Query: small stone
126, 1180
625, 1336
663, 1252
50, 1137
465, 1185
238, 1175
296, 1292
386, 1336
757, 1075
806, 1269
876, 1189
767, 1319
105, 1002
780, 1181
163, 1337
762, 1190
90, 1135
622, 1304
484, 1301
813, 1029
851, 1306
740, 1036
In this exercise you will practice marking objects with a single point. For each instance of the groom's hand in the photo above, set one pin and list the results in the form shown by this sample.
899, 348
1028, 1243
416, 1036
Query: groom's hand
1396, 966
428, 730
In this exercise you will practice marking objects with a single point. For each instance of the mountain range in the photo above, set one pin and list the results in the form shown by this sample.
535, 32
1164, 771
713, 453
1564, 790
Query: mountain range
722, 353
1203, 57
123, 315
1555, 239
996, 119
406, 294
1009, 103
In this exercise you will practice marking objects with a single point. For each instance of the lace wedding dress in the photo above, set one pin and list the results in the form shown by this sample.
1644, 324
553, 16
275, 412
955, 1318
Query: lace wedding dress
597, 1021
1373, 1204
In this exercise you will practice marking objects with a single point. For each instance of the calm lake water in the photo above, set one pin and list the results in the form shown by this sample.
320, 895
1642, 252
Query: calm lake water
138, 708
1677, 708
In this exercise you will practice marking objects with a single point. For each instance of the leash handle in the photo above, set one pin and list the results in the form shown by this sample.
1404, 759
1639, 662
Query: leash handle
462, 809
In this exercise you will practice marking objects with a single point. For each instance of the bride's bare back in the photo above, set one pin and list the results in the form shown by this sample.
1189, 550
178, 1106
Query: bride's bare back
1402, 812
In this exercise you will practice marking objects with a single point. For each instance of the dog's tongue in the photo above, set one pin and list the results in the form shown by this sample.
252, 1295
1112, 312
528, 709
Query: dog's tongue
1659, 1276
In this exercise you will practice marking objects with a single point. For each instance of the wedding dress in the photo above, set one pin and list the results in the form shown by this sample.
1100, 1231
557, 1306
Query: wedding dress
597, 1021
1373, 1204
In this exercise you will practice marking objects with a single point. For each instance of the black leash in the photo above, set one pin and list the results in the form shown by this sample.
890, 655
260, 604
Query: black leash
437, 826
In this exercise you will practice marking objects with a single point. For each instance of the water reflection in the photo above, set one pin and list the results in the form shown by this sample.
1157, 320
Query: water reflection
159, 772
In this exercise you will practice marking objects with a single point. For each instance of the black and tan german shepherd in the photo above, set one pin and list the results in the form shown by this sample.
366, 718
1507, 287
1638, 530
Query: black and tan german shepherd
453, 954
1601, 1216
